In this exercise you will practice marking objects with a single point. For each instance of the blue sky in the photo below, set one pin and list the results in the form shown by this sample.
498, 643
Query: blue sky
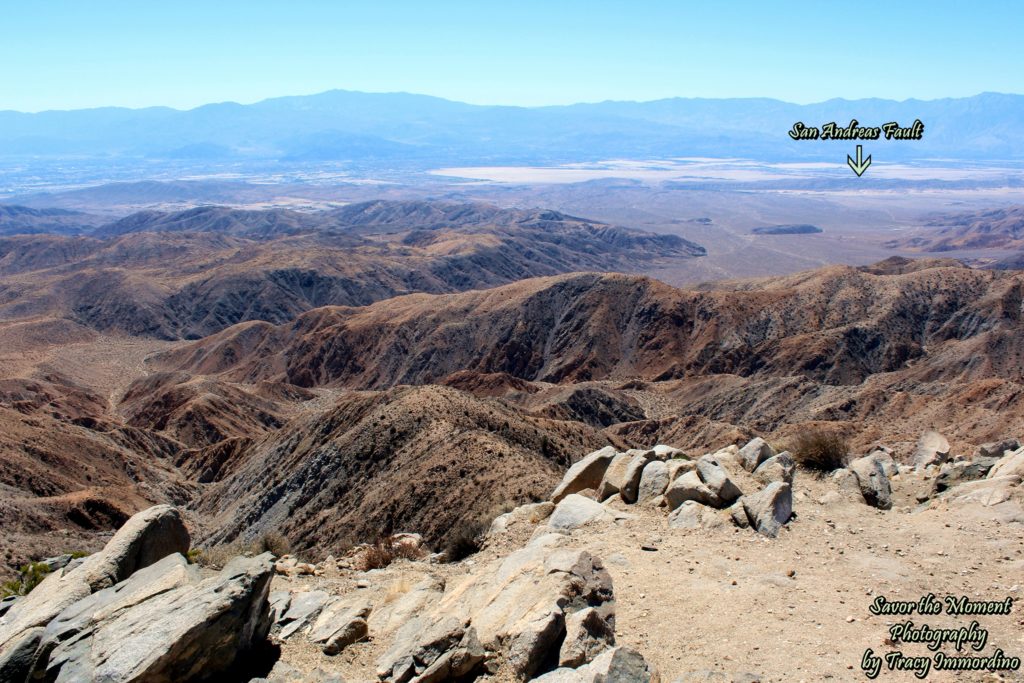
64, 55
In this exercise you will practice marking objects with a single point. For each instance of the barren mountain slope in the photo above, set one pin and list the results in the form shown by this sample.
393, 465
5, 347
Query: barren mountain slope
837, 325
995, 228
218, 267
430, 459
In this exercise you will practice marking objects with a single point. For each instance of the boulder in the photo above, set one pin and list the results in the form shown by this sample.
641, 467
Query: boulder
690, 487
932, 449
585, 474
341, 622
515, 607
693, 515
729, 456
614, 476
617, 665
678, 467
779, 467
7, 603
631, 479
587, 634
145, 538
874, 484
302, 609
754, 453
664, 452
997, 449
390, 616
188, 632
884, 456
955, 473
717, 479
575, 511
531, 513
653, 481
986, 492
286, 673
1011, 464
770, 508
738, 514
846, 481
445, 649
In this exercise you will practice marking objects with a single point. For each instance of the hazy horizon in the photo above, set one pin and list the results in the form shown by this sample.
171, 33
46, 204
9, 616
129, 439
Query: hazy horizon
531, 54
519, 106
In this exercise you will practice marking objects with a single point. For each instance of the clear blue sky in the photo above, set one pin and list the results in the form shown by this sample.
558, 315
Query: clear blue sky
73, 54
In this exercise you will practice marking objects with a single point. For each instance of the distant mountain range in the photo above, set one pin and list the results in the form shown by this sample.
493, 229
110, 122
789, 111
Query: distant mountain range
398, 129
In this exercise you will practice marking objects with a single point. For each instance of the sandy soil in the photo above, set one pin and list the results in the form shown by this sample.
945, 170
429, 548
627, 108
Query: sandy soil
795, 608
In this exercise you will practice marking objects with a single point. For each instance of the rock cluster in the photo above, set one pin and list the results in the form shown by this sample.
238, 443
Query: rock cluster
137, 610
697, 493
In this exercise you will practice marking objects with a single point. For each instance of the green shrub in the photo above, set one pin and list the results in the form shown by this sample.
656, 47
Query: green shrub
29, 576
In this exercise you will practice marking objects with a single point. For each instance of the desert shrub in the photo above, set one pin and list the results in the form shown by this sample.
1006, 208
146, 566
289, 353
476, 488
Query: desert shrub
464, 539
29, 576
273, 542
385, 551
217, 556
819, 450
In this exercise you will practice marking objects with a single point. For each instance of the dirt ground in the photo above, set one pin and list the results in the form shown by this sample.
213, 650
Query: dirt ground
794, 608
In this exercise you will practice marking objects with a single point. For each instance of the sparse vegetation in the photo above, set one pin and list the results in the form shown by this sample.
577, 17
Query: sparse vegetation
385, 551
29, 576
464, 539
819, 450
218, 556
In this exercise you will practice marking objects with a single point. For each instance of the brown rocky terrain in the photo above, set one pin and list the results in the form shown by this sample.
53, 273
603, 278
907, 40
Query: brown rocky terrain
989, 229
192, 273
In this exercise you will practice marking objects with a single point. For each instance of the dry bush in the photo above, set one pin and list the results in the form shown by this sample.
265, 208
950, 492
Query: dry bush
464, 539
819, 450
218, 556
385, 551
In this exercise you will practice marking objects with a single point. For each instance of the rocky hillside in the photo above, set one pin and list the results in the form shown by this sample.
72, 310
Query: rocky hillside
994, 228
190, 274
838, 326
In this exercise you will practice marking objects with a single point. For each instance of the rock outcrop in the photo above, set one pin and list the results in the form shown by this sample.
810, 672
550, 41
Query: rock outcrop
585, 474
515, 609
145, 539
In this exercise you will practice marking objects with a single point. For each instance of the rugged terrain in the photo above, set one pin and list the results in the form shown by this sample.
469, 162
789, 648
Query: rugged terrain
192, 273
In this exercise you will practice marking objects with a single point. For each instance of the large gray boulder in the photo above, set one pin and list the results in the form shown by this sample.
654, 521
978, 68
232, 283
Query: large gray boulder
779, 467
634, 472
770, 508
754, 453
997, 449
874, 484
576, 511
714, 476
516, 609
302, 609
340, 623
585, 474
932, 449
186, 632
614, 476
690, 487
653, 481
618, 665
693, 515
146, 538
